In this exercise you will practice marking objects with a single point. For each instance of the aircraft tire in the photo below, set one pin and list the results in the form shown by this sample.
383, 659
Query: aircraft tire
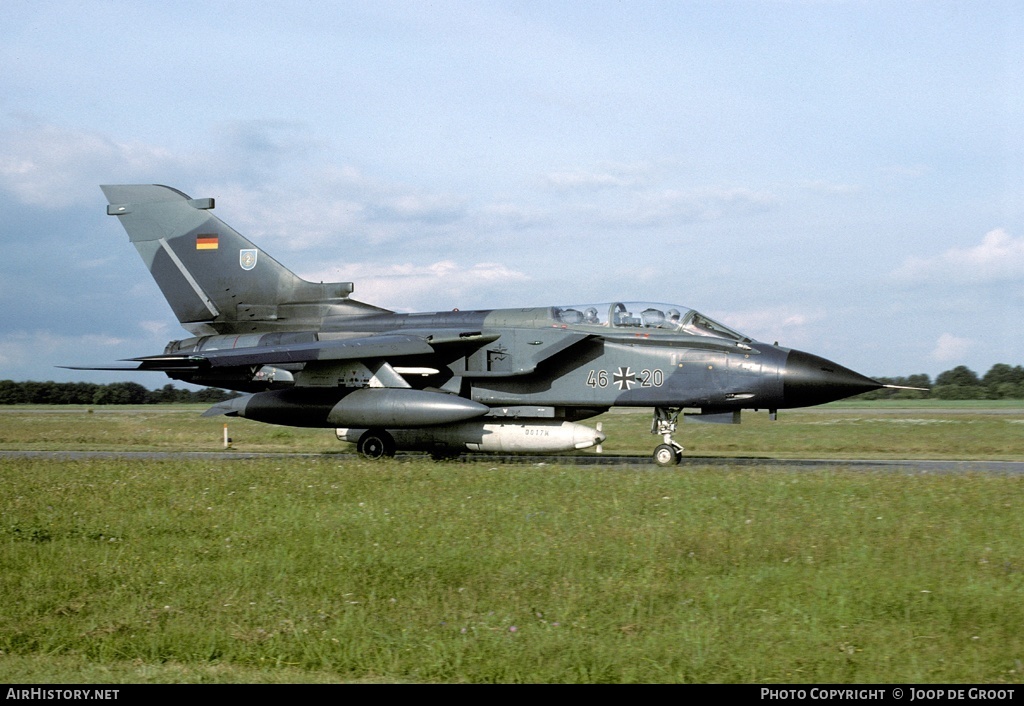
375, 444
667, 455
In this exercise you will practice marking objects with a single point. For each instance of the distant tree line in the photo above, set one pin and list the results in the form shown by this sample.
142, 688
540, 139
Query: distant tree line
114, 393
1001, 382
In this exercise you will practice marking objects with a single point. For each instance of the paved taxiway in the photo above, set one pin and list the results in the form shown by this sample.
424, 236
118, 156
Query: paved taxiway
904, 466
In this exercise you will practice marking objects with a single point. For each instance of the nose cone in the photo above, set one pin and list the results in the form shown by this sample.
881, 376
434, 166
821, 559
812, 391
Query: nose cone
809, 380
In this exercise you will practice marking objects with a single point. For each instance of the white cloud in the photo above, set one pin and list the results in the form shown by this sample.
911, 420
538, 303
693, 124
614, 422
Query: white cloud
287, 221
507, 216
415, 287
331, 209
669, 207
999, 257
609, 175
53, 167
786, 325
950, 348
437, 209
642, 195
587, 180
23, 348
343, 208
155, 328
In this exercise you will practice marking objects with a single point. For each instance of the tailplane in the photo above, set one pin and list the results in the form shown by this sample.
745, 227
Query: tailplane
215, 280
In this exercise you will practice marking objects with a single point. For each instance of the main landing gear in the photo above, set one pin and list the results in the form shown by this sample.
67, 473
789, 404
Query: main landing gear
375, 444
669, 453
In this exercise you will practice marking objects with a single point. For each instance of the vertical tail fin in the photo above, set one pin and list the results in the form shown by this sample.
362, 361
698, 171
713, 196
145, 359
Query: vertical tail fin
212, 276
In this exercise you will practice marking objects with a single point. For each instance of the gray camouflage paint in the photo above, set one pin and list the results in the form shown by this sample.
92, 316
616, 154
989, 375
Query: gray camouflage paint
305, 347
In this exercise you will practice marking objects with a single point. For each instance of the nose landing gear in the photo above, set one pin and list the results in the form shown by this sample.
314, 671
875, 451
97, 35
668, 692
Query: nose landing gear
669, 453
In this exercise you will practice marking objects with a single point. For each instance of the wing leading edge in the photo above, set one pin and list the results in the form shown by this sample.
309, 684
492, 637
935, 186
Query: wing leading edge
381, 346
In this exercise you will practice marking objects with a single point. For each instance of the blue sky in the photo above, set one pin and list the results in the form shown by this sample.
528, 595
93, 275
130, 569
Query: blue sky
846, 178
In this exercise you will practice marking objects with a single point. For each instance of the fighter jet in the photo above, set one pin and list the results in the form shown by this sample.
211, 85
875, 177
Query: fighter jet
494, 380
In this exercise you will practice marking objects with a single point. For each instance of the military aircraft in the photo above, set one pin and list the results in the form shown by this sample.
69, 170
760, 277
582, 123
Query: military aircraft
499, 380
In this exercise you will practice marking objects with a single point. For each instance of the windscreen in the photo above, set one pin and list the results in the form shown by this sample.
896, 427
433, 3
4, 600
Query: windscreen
646, 315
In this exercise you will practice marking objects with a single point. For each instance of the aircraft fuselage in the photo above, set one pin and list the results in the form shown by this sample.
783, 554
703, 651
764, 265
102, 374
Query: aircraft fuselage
497, 379
529, 357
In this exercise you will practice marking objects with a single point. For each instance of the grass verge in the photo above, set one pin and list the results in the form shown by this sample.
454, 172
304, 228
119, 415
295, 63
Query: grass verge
320, 569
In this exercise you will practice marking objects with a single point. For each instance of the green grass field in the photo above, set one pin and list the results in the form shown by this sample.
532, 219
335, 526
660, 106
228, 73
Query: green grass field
913, 429
327, 568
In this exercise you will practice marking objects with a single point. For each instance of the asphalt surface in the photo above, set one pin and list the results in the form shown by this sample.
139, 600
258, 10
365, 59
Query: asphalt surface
909, 466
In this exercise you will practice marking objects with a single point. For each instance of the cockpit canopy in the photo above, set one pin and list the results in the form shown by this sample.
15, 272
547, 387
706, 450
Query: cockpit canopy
646, 315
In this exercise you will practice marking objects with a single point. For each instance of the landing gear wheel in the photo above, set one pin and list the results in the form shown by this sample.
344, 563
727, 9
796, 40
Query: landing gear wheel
667, 455
664, 424
376, 444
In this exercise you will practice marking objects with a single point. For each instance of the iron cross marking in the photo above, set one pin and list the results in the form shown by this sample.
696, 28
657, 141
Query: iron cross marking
624, 378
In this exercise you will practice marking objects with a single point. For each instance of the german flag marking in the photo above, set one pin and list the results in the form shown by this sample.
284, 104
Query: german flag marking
207, 242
